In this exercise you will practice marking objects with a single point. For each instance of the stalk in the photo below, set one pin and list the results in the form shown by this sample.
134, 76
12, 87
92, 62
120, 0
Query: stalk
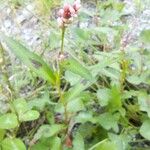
60, 92
124, 65
62, 40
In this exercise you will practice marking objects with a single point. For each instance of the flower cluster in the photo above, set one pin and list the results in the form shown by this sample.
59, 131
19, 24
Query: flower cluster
67, 14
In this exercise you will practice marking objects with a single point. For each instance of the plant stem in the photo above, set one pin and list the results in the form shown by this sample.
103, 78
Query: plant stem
123, 70
60, 92
62, 40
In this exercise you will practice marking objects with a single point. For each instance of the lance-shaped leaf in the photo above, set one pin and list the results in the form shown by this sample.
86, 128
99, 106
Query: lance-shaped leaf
30, 59
76, 67
76, 90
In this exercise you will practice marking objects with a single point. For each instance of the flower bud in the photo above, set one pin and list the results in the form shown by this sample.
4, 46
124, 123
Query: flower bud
76, 5
61, 13
67, 14
60, 22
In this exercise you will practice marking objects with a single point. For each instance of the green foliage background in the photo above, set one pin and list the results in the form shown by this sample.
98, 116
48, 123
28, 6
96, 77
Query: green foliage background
101, 99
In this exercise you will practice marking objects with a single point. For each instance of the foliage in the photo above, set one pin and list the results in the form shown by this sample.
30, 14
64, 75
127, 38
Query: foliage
94, 95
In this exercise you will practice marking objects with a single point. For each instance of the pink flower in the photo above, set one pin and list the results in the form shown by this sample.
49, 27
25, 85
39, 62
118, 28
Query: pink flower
60, 22
61, 13
67, 13
76, 5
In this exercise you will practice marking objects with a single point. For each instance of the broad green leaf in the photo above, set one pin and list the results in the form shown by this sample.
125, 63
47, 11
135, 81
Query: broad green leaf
104, 145
52, 143
39, 146
30, 59
145, 129
78, 142
111, 72
8, 121
48, 131
13, 144
75, 105
84, 117
42, 144
41, 102
121, 140
134, 79
29, 115
111, 122
2, 134
145, 36
20, 106
56, 144
144, 102
103, 96
76, 67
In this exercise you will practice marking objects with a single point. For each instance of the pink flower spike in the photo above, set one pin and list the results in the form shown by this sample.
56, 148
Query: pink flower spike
60, 22
60, 13
76, 5
68, 11
72, 11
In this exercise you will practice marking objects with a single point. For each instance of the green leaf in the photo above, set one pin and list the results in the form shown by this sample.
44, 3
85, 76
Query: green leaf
84, 117
104, 145
134, 79
145, 36
40, 103
46, 131
115, 102
30, 59
111, 122
24, 113
103, 96
121, 141
145, 129
103, 63
144, 102
2, 134
111, 72
78, 142
72, 78
52, 143
39, 146
13, 144
76, 90
20, 106
8, 121
76, 67
29, 115
56, 144
75, 105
